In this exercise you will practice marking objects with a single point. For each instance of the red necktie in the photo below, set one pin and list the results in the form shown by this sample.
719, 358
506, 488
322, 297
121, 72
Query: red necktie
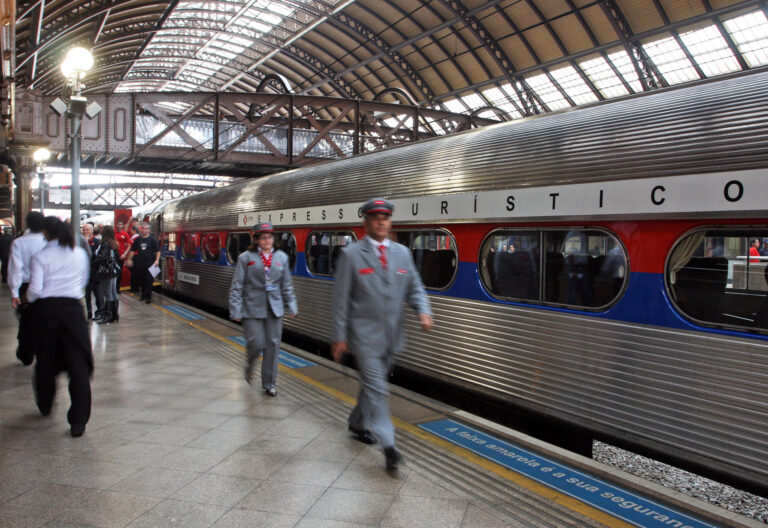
383, 256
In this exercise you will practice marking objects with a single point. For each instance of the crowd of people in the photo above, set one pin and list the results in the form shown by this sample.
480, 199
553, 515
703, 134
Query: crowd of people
51, 269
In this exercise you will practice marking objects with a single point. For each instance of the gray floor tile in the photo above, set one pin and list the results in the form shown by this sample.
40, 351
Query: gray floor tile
172, 435
278, 445
310, 472
408, 511
155, 482
181, 514
140, 453
192, 459
46, 501
107, 509
255, 519
351, 506
419, 486
202, 420
221, 440
479, 518
20, 520
308, 522
246, 464
216, 489
282, 497
370, 478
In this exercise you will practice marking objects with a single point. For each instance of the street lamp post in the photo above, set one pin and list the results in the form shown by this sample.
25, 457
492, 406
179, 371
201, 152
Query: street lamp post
74, 68
40, 156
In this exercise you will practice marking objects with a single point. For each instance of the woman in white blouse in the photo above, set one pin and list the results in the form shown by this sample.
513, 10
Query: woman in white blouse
59, 274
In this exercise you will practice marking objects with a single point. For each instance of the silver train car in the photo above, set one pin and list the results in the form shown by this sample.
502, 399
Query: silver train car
595, 266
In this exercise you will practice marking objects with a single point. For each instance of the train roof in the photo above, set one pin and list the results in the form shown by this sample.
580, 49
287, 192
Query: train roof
709, 126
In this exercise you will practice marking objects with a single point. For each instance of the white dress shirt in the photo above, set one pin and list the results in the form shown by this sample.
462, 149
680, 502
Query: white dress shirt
58, 272
22, 250
376, 245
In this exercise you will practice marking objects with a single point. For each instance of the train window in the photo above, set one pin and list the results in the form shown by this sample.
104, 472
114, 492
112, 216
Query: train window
510, 264
189, 245
583, 268
434, 253
236, 244
324, 248
210, 247
286, 242
171, 241
720, 277
579, 268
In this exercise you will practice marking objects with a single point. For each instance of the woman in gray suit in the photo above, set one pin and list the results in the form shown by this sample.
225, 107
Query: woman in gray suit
261, 292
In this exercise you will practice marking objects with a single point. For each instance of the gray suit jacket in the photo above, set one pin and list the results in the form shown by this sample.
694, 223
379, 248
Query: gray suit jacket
248, 297
368, 302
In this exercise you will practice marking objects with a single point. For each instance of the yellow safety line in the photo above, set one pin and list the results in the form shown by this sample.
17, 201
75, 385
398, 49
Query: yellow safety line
508, 474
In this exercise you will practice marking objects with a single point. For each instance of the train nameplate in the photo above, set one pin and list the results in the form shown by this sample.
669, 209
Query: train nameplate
188, 277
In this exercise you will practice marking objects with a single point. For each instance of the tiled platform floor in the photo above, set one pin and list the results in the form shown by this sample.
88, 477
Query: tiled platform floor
177, 438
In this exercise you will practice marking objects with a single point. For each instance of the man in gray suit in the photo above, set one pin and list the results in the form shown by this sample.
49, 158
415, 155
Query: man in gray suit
374, 278
261, 292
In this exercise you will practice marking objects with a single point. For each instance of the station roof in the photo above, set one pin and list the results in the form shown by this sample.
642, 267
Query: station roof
520, 57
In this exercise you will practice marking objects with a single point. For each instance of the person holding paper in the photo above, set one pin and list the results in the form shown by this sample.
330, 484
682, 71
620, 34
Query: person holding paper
146, 249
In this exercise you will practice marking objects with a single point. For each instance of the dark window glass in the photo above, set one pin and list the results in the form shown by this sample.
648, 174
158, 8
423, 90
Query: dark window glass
583, 268
189, 245
580, 268
510, 264
210, 247
324, 248
721, 277
236, 244
286, 242
434, 253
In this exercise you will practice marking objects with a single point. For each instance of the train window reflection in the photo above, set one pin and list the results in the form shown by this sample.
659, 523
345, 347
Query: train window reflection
579, 268
583, 268
434, 253
236, 244
721, 277
286, 242
189, 245
210, 247
324, 248
510, 264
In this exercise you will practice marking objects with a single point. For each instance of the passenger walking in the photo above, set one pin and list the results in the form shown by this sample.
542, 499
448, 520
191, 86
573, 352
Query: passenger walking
261, 292
22, 250
374, 278
6, 239
106, 264
59, 274
147, 252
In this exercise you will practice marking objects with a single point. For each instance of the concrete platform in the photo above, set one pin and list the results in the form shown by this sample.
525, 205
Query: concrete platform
177, 438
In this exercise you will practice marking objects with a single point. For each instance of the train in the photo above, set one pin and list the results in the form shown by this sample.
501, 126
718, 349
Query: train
591, 266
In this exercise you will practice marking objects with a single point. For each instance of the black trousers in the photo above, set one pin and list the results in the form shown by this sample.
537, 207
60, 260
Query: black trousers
145, 280
63, 345
27, 328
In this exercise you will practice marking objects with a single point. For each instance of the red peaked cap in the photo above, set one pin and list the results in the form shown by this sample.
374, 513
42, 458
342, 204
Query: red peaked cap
264, 227
378, 205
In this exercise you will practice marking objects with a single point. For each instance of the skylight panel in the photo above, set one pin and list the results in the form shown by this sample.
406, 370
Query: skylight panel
215, 53
236, 40
603, 77
710, 51
547, 91
473, 101
455, 106
280, 9
670, 60
750, 32
251, 25
573, 84
623, 63
496, 97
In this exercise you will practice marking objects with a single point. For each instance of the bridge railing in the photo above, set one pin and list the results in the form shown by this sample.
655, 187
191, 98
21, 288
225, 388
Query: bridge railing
279, 130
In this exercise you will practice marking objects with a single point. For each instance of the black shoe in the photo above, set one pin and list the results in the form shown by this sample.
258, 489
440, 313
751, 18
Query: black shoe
393, 458
77, 430
26, 357
271, 392
364, 435
147, 301
248, 374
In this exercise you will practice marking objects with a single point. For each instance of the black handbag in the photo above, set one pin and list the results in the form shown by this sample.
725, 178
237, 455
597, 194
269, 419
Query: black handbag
108, 267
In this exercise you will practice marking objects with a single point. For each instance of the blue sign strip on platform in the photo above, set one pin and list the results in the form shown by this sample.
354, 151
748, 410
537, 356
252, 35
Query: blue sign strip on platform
284, 358
615, 501
183, 312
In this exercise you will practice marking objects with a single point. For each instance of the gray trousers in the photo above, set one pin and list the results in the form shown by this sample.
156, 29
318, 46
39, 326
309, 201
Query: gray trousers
264, 335
372, 409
